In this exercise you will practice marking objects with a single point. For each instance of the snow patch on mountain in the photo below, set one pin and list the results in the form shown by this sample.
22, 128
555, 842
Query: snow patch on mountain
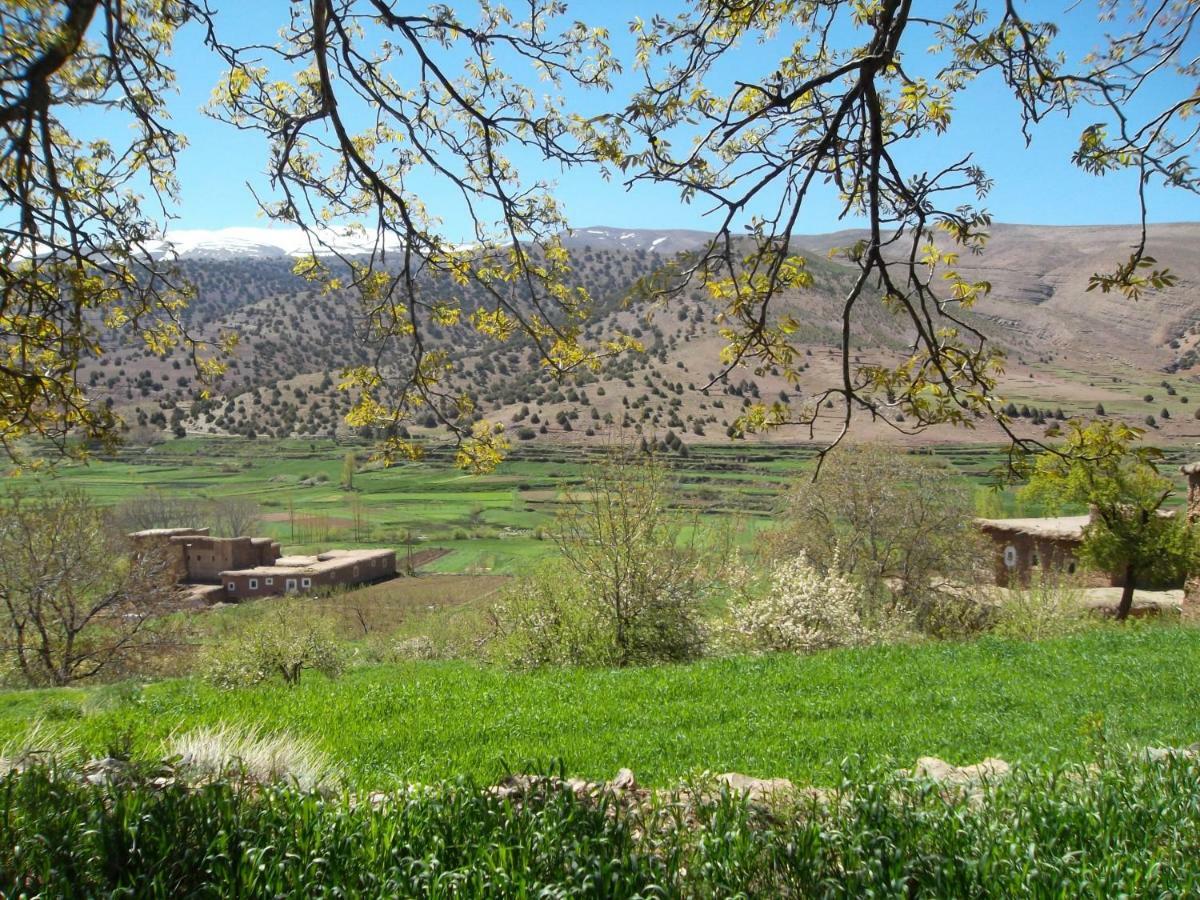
259, 243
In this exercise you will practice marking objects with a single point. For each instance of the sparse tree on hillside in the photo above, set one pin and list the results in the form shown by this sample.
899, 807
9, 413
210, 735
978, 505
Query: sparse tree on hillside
75, 598
358, 115
840, 103
1100, 465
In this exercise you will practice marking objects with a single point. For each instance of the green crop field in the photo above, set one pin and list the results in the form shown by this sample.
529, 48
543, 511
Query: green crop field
779, 715
490, 523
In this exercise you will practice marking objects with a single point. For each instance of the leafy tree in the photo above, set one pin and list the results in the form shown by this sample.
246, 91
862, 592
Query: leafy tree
1101, 465
357, 117
288, 640
74, 266
75, 598
636, 561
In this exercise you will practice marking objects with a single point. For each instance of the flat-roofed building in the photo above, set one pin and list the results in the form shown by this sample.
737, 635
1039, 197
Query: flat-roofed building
299, 574
239, 568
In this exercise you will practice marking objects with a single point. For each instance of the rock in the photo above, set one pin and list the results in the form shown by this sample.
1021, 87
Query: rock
942, 772
624, 781
514, 786
582, 789
1158, 754
105, 771
757, 789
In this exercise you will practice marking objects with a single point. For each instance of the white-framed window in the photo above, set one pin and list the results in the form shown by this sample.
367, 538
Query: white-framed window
305, 582
1010, 556
290, 585
254, 584
268, 582
233, 585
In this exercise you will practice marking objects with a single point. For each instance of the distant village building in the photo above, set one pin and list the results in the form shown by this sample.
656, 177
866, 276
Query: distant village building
240, 568
1023, 546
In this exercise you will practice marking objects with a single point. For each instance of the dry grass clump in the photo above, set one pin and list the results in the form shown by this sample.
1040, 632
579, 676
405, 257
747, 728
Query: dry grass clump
251, 754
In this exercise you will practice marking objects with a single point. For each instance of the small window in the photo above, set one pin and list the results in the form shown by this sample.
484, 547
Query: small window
1035, 560
254, 584
291, 584
1010, 556
269, 582
232, 586
305, 582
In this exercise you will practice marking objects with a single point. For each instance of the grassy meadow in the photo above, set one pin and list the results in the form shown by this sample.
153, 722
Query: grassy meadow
780, 715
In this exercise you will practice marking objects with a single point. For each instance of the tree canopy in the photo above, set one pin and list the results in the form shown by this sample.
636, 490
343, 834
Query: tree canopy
359, 96
1102, 466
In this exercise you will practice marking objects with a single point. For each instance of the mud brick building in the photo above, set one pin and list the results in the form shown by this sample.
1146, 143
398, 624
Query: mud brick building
233, 569
1025, 546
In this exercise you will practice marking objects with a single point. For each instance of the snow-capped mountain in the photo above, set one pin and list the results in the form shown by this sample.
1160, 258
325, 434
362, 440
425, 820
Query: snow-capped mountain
258, 243
247, 243
665, 241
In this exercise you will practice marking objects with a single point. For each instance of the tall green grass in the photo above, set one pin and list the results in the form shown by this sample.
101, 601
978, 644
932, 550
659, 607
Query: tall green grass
1131, 829
780, 715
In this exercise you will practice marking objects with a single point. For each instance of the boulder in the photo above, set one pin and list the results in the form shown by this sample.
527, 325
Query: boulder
942, 772
758, 790
1159, 754
623, 781
108, 770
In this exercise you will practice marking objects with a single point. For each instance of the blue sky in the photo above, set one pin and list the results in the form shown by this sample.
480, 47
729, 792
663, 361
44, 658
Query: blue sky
1033, 185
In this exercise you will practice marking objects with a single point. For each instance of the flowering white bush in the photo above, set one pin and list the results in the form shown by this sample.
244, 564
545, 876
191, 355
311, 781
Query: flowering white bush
801, 609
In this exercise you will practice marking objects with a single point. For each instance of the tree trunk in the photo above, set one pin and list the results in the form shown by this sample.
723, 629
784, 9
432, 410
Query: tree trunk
1126, 603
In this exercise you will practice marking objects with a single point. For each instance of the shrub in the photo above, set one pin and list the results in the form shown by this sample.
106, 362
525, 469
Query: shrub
632, 561
802, 609
901, 525
289, 640
1048, 608
545, 620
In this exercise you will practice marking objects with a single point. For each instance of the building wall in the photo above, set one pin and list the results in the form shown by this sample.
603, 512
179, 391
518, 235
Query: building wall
207, 557
1019, 555
247, 586
166, 541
